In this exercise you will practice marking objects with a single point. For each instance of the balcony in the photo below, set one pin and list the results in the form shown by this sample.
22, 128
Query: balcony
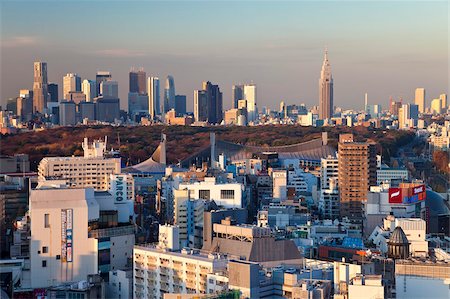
112, 232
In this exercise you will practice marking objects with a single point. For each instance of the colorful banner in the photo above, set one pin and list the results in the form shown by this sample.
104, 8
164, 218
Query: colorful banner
66, 235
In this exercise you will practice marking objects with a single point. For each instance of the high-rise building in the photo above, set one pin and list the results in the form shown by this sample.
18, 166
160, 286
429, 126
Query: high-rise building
326, 90
89, 89
408, 114
109, 89
107, 109
169, 94
87, 110
394, 107
100, 77
444, 105
67, 113
137, 81
436, 106
71, 82
214, 102
180, 104
250, 98
419, 99
137, 105
25, 105
53, 91
238, 94
40, 87
357, 166
200, 105
153, 97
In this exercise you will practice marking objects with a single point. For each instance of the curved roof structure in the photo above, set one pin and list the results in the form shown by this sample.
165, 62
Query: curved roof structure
398, 237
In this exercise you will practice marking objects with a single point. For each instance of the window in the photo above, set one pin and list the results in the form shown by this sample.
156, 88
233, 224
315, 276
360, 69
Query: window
204, 194
58, 257
44, 263
226, 194
46, 220
44, 249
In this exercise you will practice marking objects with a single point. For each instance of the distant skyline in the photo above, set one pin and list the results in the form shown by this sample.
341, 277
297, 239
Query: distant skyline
382, 48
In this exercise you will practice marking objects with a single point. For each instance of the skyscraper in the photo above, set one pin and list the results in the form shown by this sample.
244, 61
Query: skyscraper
71, 82
326, 90
89, 89
357, 166
169, 94
53, 92
180, 104
137, 81
40, 87
444, 104
200, 105
153, 96
109, 89
250, 98
100, 77
214, 102
419, 99
238, 94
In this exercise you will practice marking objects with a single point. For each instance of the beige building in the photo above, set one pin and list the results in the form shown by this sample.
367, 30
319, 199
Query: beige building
419, 99
157, 271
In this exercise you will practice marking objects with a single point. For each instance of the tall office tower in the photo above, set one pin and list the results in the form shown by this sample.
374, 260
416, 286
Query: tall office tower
89, 89
444, 104
394, 106
109, 89
325, 90
40, 87
107, 109
25, 105
137, 81
169, 94
67, 113
214, 107
71, 82
238, 94
250, 98
53, 92
137, 105
100, 77
153, 96
357, 171
419, 100
436, 106
408, 115
180, 104
200, 105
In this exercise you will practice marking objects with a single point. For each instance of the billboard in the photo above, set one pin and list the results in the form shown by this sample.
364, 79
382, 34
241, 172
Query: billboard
407, 194
395, 195
67, 235
119, 188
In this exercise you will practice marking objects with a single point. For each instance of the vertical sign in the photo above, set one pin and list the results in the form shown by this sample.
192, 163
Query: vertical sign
66, 235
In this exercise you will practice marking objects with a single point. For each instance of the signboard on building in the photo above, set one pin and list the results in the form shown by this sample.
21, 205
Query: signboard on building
119, 188
395, 195
67, 235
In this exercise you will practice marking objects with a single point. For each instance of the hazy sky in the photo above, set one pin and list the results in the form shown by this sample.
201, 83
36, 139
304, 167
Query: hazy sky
383, 48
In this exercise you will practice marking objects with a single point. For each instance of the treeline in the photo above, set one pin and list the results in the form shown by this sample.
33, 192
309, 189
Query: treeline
138, 143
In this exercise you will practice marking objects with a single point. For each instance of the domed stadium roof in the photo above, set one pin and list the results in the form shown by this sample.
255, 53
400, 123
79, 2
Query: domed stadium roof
398, 237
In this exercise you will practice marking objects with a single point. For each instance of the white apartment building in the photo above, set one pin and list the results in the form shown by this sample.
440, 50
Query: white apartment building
227, 195
60, 249
328, 170
329, 200
280, 180
386, 175
90, 171
157, 271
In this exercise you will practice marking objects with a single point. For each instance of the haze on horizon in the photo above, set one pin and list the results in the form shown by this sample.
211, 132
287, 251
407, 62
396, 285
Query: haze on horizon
382, 48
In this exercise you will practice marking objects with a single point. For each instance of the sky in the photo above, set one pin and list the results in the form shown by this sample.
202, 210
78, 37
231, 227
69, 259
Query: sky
384, 48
